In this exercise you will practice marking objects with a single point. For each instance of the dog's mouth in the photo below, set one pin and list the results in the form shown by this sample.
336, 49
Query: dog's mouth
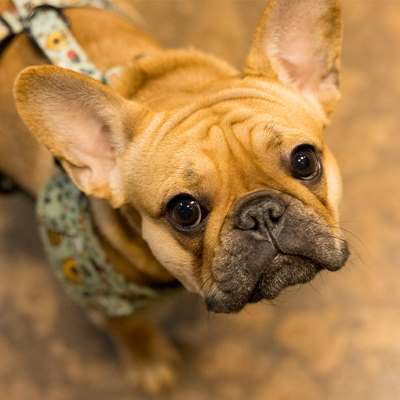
294, 270
284, 271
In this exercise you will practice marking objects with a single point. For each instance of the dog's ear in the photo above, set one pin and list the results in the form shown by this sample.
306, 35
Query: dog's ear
82, 122
298, 42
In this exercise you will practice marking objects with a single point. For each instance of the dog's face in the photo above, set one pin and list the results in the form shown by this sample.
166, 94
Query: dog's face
241, 195
237, 191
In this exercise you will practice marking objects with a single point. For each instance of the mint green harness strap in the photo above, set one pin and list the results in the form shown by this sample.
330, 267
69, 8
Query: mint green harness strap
44, 21
77, 257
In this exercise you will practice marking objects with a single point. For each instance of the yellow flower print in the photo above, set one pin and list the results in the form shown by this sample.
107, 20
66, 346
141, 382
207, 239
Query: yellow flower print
56, 41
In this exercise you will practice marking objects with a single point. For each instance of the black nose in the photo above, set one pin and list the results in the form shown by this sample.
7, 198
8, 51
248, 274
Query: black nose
260, 212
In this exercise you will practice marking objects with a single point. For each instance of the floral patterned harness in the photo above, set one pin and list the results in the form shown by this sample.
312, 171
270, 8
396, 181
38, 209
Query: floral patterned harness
77, 257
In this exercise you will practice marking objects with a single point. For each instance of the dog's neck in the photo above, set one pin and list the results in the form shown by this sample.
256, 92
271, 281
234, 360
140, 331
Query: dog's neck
127, 251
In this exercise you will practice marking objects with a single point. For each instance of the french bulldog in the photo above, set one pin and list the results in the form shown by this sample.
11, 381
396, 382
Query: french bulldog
197, 172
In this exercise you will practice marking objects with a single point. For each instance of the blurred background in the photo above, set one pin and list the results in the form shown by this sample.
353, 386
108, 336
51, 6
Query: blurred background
336, 338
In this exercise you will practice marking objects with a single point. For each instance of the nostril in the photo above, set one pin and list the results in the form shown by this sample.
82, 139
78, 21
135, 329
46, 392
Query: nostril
256, 224
247, 222
273, 214
274, 217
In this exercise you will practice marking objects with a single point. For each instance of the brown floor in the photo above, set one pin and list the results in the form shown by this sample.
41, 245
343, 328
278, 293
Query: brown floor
337, 338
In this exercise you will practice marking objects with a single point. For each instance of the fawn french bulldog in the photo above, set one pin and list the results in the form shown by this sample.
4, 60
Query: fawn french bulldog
196, 172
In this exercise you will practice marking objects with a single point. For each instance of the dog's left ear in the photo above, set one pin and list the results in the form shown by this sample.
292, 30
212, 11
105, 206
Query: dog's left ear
298, 42
82, 122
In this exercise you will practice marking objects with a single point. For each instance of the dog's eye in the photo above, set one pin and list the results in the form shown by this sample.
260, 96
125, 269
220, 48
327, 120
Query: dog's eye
185, 213
305, 163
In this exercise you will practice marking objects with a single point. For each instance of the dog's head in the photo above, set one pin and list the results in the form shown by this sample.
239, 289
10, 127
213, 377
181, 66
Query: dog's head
236, 189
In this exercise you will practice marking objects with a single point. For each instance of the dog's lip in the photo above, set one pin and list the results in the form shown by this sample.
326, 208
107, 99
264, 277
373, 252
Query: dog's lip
256, 290
254, 297
318, 266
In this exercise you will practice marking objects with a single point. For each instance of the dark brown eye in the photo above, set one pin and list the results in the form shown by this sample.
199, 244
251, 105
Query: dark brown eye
185, 212
304, 162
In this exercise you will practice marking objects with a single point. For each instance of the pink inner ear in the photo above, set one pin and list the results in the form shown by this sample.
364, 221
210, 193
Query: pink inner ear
81, 137
297, 69
296, 54
83, 140
91, 145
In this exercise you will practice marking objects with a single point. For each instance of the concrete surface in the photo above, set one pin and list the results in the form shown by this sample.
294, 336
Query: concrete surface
337, 338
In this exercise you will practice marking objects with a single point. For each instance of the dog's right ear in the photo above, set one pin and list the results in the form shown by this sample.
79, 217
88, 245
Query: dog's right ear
82, 122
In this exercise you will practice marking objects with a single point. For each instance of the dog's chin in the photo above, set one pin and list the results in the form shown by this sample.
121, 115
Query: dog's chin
297, 270
285, 271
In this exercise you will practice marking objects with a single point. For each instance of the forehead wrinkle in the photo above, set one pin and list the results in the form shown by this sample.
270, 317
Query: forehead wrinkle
226, 178
172, 120
241, 123
249, 172
233, 159
273, 143
189, 176
203, 118
262, 92
237, 149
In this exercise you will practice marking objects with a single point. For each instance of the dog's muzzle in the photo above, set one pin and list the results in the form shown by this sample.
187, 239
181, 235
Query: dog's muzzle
271, 241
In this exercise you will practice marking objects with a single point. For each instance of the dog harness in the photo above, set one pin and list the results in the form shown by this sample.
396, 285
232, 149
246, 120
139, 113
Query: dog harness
65, 223
76, 255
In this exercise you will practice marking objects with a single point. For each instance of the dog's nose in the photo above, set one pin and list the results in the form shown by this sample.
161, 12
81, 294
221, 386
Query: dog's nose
260, 212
